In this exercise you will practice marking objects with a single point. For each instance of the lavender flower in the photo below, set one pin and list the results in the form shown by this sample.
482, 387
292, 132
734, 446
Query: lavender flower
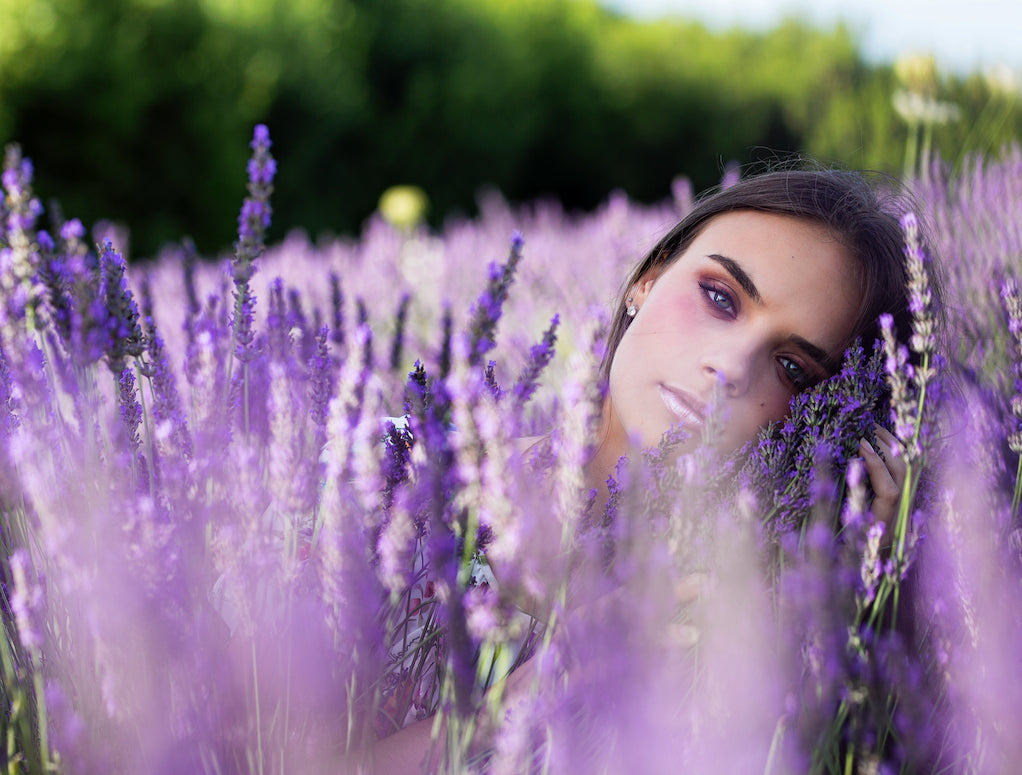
490, 380
27, 602
298, 324
67, 730
243, 323
732, 174
1013, 306
278, 332
899, 376
539, 356
77, 297
351, 595
130, 411
205, 368
444, 359
911, 412
255, 215
362, 321
253, 222
337, 311
321, 381
8, 413
19, 251
318, 524
488, 307
400, 320
285, 475
828, 419
124, 337
168, 413
188, 262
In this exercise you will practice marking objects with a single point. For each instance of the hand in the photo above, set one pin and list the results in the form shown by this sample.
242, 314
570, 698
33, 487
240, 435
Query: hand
886, 475
680, 631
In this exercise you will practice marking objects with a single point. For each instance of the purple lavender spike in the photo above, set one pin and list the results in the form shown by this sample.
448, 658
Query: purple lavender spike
400, 320
130, 411
28, 603
321, 381
298, 321
539, 356
489, 306
253, 222
277, 329
337, 311
167, 408
19, 251
124, 337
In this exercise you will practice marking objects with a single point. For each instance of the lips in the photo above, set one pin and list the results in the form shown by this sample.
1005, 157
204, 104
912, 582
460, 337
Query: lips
683, 405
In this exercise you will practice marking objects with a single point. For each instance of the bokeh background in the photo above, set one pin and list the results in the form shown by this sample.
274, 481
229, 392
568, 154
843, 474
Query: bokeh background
140, 110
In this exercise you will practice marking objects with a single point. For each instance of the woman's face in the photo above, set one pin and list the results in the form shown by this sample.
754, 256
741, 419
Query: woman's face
759, 304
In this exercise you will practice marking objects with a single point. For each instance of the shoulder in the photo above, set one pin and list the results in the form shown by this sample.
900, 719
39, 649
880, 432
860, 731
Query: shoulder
536, 451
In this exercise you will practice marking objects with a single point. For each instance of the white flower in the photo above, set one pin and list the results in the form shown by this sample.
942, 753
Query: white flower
917, 108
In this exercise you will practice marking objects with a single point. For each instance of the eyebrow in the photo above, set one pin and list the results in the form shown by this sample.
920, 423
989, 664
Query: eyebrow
818, 354
734, 269
741, 277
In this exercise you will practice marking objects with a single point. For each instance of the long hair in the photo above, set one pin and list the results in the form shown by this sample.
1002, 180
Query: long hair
864, 220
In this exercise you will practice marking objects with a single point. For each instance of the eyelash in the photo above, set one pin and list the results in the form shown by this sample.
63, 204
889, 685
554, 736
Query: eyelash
710, 291
801, 382
724, 302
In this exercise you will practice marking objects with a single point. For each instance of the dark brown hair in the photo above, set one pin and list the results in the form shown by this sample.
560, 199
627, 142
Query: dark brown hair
862, 218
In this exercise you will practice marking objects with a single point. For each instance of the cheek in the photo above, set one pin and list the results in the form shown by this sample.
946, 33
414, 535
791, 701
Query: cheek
777, 409
667, 331
676, 312
773, 400
749, 419
665, 326
657, 346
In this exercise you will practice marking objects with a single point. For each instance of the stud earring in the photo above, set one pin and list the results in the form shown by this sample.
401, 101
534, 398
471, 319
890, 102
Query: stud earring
631, 309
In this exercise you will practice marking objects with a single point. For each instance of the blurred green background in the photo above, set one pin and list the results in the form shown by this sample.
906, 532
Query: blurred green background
141, 110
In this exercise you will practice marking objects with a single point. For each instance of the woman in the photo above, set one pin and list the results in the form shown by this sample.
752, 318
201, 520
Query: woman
755, 294
753, 297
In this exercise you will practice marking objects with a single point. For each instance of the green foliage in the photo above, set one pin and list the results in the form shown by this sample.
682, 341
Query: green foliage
119, 101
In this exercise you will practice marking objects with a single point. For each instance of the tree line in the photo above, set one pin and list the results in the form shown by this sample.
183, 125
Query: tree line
139, 110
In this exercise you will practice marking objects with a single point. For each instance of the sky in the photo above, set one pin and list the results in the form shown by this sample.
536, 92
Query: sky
964, 36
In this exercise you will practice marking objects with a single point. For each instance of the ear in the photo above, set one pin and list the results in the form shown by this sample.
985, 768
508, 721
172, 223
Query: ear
638, 292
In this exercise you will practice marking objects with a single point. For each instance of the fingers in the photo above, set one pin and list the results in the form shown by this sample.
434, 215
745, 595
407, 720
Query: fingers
886, 474
880, 477
680, 630
689, 588
894, 454
684, 635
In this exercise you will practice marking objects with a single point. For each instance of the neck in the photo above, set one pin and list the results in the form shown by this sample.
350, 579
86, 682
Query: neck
609, 449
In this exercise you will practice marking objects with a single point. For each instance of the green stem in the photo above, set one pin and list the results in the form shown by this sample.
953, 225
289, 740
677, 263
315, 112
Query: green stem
287, 675
911, 149
1017, 495
12, 690
924, 157
148, 431
903, 506
775, 744
258, 719
245, 380
40, 709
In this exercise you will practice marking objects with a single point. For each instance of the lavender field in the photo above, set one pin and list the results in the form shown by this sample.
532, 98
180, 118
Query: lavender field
260, 513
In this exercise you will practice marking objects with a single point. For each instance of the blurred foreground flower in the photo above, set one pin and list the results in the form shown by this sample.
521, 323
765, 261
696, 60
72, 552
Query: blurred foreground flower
239, 537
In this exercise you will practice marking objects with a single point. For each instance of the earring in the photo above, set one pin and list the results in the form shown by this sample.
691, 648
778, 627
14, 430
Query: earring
631, 309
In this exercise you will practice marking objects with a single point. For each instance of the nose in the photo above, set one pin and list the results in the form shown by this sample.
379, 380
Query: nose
731, 366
